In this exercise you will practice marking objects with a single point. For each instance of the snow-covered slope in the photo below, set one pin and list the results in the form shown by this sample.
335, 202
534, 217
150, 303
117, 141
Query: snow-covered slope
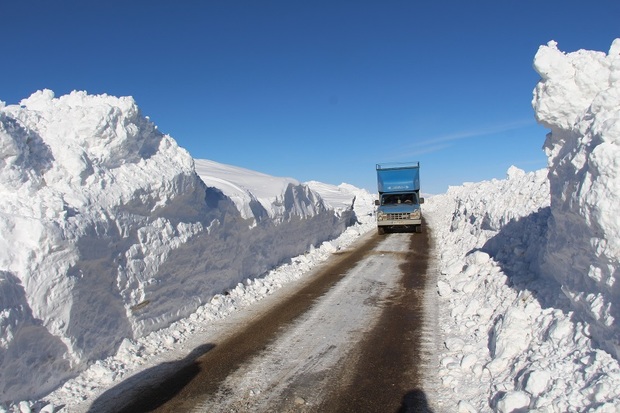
108, 233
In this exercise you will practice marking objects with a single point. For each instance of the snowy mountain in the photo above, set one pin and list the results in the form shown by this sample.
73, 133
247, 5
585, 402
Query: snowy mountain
117, 248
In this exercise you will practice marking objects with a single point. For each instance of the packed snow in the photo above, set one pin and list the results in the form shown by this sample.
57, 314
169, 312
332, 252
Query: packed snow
528, 289
119, 247
579, 100
109, 233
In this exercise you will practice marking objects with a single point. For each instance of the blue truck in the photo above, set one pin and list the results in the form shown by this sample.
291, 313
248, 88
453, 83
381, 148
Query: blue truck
398, 206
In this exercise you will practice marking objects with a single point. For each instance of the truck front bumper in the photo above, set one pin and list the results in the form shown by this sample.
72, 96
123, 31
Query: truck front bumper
399, 222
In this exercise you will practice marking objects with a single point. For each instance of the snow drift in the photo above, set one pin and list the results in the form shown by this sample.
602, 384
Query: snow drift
109, 233
578, 99
512, 341
527, 283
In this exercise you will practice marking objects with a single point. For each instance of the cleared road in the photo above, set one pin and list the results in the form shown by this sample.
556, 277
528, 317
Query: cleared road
349, 340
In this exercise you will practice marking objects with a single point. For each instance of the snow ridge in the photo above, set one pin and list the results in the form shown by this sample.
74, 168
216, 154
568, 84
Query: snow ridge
578, 98
512, 342
109, 234
528, 291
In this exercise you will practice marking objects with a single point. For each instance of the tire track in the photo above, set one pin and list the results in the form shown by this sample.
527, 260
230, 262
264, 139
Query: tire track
383, 374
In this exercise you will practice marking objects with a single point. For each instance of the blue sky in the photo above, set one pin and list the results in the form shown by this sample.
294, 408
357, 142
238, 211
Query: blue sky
319, 90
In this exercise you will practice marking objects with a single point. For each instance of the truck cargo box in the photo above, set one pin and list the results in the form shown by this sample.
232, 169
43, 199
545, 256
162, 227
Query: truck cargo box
398, 177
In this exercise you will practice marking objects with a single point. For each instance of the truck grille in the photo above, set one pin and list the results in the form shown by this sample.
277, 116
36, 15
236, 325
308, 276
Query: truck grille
400, 215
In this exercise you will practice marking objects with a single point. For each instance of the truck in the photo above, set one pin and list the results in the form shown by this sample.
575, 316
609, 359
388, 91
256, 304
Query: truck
398, 206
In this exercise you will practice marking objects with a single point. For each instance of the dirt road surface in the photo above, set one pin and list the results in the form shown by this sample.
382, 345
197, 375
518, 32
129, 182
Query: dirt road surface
355, 337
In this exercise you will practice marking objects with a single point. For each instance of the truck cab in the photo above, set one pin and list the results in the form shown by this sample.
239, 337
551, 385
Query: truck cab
398, 206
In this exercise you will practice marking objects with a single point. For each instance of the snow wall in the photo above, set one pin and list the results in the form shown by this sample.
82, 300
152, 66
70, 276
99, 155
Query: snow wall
107, 232
578, 99
511, 340
529, 299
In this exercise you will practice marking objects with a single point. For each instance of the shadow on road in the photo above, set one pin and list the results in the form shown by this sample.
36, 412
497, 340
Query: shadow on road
414, 402
153, 387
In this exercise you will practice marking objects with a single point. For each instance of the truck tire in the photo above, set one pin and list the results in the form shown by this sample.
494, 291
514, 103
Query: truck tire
381, 230
418, 229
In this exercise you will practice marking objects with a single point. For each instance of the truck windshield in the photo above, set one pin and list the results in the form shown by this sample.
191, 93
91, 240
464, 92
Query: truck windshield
392, 199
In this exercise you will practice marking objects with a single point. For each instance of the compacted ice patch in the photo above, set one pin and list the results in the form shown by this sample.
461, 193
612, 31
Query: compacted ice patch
109, 234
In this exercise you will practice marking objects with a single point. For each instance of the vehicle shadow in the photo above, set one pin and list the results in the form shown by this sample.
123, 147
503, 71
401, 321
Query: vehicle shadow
151, 388
414, 402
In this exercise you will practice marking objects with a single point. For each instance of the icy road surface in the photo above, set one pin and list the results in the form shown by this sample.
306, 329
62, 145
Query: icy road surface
354, 337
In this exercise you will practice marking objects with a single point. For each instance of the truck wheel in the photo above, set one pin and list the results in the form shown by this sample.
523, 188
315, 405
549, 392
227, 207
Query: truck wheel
418, 229
381, 230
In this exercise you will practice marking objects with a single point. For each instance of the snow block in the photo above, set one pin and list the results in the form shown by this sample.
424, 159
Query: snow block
108, 233
578, 99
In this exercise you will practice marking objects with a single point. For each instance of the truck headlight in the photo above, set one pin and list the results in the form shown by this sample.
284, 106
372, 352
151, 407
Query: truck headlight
415, 214
381, 216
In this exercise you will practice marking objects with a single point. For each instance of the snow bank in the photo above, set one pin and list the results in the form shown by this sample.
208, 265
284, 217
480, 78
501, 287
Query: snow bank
109, 234
258, 196
527, 286
511, 340
578, 99
174, 341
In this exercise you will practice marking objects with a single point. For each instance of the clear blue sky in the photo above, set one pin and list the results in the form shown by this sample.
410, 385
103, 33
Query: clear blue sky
318, 90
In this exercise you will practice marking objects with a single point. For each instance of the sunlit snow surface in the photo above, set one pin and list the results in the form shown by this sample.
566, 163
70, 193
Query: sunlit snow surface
511, 338
527, 292
529, 265
109, 234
